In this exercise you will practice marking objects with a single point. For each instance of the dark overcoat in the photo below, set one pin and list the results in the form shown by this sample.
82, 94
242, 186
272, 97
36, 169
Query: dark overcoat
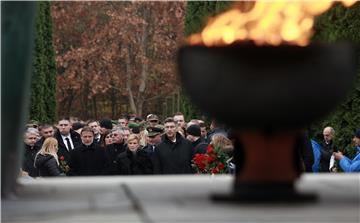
88, 161
173, 157
134, 164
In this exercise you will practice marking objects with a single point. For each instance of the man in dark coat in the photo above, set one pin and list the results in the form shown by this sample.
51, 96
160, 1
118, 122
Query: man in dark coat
174, 154
31, 149
113, 150
88, 159
67, 139
327, 149
194, 135
46, 131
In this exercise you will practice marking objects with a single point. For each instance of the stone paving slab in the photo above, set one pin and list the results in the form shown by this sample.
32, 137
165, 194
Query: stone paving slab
174, 199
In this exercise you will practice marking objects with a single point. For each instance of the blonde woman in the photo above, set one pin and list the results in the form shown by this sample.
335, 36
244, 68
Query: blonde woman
134, 161
46, 160
221, 141
226, 145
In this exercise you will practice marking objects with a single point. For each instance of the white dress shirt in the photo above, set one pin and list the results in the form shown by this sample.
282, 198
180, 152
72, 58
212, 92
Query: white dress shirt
70, 140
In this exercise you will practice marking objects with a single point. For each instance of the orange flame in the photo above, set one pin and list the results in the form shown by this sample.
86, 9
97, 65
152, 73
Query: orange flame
267, 23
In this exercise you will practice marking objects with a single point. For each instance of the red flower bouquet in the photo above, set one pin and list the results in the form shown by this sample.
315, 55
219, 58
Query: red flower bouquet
63, 164
213, 161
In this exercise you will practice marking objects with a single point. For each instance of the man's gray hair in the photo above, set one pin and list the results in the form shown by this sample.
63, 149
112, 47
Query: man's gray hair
31, 131
117, 129
332, 130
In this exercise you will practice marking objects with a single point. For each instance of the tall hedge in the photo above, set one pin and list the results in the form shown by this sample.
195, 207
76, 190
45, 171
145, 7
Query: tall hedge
197, 14
341, 24
43, 82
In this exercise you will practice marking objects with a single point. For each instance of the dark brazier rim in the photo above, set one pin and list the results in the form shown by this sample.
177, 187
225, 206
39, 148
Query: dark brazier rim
251, 44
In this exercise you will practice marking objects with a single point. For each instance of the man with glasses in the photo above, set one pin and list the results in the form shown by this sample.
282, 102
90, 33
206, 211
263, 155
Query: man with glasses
113, 150
174, 154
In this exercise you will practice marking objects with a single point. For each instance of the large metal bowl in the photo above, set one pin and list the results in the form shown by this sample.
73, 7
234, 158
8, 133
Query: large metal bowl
283, 87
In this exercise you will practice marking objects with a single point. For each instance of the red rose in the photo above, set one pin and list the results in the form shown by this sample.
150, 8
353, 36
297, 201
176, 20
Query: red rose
210, 159
198, 158
210, 149
202, 165
220, 166
207, 159
197, 161
62, 158
215, 170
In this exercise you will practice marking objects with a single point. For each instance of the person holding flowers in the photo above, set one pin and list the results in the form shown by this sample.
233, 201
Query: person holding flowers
46, 160
217, 158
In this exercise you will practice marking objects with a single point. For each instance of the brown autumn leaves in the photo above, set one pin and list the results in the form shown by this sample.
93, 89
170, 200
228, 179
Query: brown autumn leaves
114, 57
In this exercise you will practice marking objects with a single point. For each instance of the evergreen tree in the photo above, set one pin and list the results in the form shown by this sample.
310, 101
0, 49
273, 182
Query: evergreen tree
197, 14
50, 87
43, 83
341, 24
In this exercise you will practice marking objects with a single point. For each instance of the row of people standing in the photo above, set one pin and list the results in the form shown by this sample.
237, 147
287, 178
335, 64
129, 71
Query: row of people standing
88, 158
169, 153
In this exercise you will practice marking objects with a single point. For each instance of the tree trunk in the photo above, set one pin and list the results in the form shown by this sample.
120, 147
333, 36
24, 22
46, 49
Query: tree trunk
129, 80
140, 105
113, 102
95, 108
144, 66
85, 103
71, 99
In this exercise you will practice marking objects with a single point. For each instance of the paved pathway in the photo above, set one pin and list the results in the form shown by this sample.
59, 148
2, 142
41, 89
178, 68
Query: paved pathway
174, 199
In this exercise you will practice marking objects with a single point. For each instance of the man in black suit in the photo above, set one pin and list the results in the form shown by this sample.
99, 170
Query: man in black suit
67, 139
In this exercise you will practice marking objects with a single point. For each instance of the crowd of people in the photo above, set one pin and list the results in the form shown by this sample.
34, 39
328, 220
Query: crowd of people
133, 146
127, 146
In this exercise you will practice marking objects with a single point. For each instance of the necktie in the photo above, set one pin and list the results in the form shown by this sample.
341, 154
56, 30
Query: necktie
68, 144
